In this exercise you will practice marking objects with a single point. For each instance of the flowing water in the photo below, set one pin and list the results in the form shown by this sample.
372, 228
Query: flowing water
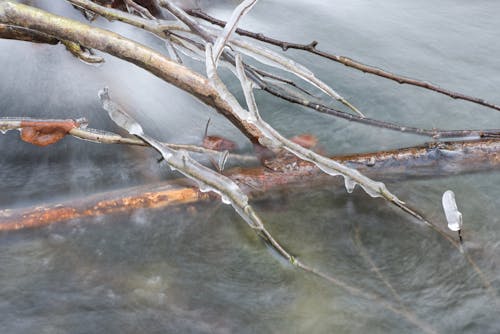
200, 269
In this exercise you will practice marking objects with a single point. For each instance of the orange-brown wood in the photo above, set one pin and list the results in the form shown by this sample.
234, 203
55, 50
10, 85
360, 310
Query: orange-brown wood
432, 159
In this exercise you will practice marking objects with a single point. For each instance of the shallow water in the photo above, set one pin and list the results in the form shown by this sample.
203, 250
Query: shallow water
200, 269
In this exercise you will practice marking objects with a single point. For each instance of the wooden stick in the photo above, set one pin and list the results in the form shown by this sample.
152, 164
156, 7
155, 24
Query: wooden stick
429, 159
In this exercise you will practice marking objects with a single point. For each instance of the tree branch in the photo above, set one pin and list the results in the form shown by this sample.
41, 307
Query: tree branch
126, 49
311, 47
163, 30
432, 159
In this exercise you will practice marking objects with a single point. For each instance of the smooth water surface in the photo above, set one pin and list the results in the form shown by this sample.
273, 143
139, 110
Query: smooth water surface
200, 269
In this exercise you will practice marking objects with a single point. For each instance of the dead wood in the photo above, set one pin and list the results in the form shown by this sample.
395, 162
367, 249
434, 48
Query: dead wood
430, 159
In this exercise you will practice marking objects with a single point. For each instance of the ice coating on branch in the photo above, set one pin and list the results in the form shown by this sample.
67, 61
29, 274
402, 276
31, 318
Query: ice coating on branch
230, 27
221, 88
9, 123
205, 178
453, 216
118, 115
274, 59
188, 49
273, 139
247, 87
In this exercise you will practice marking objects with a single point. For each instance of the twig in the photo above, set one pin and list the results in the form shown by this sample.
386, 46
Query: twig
311, 47
132, 6
159, 29
80, 130
364, 254
434, 133
91, 37
237, 14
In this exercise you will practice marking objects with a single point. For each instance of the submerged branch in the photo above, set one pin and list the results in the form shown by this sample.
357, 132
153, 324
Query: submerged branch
257, 182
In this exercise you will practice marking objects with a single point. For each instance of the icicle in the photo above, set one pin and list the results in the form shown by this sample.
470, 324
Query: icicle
453, 216
226, 200
349, 184
118, 115
221, 88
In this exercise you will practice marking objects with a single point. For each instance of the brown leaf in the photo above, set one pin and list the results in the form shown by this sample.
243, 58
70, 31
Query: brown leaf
218, 143
305, 140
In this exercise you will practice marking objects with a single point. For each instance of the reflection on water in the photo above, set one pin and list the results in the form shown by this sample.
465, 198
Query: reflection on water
200, 269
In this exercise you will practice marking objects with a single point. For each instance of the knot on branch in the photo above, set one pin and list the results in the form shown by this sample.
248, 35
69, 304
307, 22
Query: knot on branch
311, 46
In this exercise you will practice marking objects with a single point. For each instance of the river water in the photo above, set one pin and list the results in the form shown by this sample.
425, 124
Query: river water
200, 269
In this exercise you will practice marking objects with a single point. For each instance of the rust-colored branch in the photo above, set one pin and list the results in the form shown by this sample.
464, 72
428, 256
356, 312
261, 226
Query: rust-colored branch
311, 47
114, 44
430, 159
101, 204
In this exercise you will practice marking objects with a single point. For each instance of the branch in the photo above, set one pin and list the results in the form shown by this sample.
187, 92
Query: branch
195, 50
157, 27
55, 130
230, 193
237, 14
311, 47
441, 159
22, 34
126, 49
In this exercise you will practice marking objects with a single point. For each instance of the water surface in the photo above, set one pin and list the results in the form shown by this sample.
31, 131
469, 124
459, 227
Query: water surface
200, 269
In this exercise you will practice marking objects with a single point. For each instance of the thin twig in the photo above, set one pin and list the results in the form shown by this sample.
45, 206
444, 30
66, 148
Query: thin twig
311, 47
159, 29
132, 7
81, 131
373, 267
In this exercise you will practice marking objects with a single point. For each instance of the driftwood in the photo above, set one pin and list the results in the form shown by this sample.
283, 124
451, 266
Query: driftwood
430, 159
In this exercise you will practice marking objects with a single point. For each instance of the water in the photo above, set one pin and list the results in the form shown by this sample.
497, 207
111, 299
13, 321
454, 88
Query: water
200, 269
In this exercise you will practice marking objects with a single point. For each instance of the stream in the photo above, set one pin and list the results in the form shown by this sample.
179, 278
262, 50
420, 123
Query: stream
199, 268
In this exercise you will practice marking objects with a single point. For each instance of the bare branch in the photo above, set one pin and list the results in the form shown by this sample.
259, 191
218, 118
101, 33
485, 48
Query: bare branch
121, 47
22, 34
237, 14
196, 52
133, 7
311, 47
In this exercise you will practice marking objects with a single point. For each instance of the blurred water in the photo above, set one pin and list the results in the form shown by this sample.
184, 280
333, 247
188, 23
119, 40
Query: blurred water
201, 270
